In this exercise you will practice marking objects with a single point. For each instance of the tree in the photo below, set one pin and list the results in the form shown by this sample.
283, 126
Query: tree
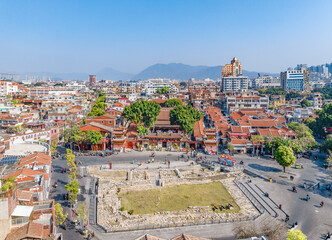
277, 142
327, 145
311, 123
94, 137
183, 84
284, 156
324, 120
296, 235
73, 189
82, 212
173, 102
142, 130
291, 95
163, 90
273, 91
306, 103
142, 112
185, 116
300, 129
98, 108
78, 138
60, 218
230, 147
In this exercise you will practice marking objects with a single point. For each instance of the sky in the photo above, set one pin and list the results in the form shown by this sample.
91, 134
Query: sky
64, 36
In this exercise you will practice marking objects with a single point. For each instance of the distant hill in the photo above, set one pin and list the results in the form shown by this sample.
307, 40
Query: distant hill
184, 72
178, 71
104, 74
111, 74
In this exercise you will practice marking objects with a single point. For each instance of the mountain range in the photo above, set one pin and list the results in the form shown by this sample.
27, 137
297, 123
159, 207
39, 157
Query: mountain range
178, 71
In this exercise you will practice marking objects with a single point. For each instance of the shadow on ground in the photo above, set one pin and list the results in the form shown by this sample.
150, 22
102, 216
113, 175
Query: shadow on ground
264, 168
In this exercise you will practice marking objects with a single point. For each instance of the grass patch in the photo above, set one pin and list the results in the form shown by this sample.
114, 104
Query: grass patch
177, 198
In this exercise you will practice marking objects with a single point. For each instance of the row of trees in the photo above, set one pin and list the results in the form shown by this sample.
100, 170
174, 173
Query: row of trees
98, 108
185, 116
73, 188
280, 91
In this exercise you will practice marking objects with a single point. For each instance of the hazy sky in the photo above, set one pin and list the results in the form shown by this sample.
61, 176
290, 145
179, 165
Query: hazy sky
86, 36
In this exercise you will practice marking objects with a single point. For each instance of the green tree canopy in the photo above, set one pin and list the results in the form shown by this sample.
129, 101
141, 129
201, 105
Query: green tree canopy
284, 156
183, 84
306, 103
324, 120
94, 137
98, 108
173, 102
273, 91
185, 116
291, 95
142, 130
300, 129
163, 90
326, 92
327, 145
73, 189
142, 112
60, 218
294, 234
276, 142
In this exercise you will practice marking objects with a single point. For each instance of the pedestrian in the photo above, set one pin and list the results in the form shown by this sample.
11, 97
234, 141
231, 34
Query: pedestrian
66, 169
321, 204
64, 225
277, 215
280, 206
304, 185
63, 170
328, 235
287, 218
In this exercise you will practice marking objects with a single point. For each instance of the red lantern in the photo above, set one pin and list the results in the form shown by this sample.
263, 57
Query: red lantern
167, 140
161, 140
175, 141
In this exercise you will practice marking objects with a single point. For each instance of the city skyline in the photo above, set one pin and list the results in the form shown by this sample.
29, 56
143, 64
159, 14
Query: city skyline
86, 37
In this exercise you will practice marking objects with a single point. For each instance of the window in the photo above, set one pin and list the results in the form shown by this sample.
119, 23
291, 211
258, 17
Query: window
110, 122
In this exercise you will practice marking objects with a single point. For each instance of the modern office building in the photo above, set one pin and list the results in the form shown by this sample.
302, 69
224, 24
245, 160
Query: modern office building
232, 69
297, 79
92, 79
235, 83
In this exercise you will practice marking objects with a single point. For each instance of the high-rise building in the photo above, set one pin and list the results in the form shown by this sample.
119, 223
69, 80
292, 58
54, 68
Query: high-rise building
235, 83
92, 79
232, 69
295, 79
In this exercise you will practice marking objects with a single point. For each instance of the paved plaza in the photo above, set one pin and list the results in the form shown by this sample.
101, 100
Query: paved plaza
312, 219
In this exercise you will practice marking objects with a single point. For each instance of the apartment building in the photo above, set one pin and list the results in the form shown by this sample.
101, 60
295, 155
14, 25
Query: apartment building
244, 100
8, 88
266, 81
152, 85
235, 83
